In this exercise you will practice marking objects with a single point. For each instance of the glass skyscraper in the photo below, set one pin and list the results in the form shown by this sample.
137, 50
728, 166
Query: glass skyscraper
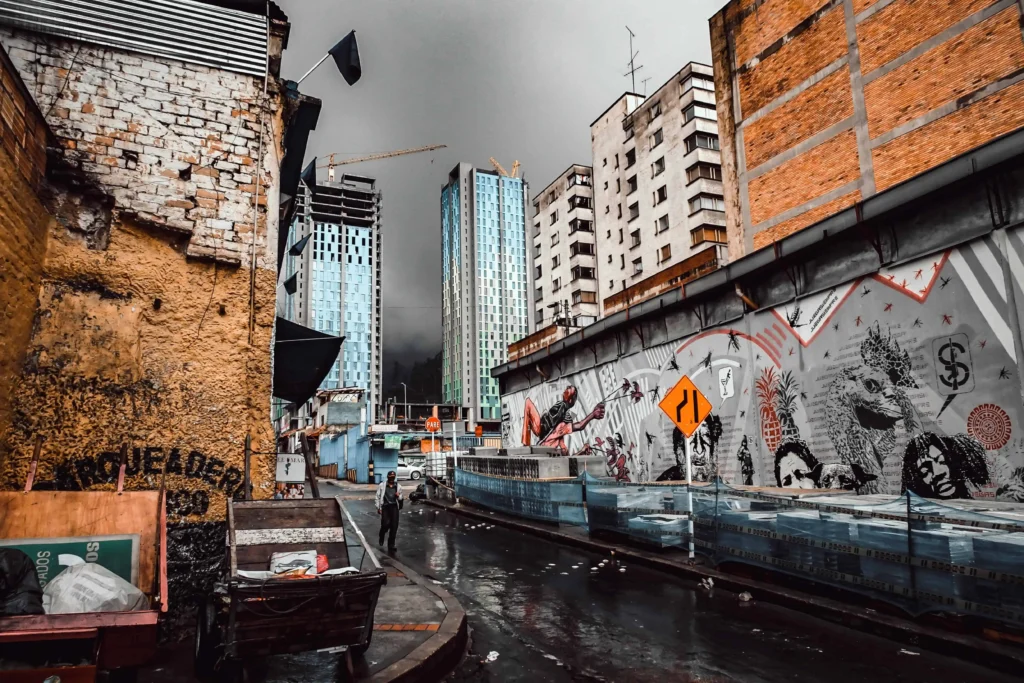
338, 283
485, 281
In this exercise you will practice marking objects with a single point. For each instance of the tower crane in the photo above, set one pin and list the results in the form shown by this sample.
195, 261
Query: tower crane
498, 167
331, 163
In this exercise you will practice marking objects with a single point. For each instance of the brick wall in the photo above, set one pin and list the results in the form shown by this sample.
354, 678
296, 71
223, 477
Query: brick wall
877, 91
174, 144
23, 225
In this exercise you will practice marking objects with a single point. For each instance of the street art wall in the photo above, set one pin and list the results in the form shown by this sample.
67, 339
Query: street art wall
902, 380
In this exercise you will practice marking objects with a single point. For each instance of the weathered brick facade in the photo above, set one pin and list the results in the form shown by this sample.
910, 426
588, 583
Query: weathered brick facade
832, 101
174, 144
24, 225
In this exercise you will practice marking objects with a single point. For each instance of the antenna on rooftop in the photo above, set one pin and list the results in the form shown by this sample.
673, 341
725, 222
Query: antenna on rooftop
632, 60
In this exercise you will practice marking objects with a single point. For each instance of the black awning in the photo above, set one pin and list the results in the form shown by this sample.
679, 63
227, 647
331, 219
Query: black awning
302, 358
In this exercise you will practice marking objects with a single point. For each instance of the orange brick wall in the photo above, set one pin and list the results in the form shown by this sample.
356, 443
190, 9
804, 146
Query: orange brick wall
24, 225
913, 116
796, 61
770, 21
817, 108
788, 227
830, 165
945, 138
23, 132
887, 34
983, 54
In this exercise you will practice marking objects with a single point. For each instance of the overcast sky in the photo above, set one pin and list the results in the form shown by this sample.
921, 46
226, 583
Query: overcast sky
512, 79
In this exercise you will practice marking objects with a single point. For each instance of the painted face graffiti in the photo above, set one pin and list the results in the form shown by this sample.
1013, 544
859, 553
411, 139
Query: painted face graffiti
796, 467
944, 466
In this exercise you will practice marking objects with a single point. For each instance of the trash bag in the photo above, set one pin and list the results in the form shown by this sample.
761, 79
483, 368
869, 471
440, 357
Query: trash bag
20, 593
89, 587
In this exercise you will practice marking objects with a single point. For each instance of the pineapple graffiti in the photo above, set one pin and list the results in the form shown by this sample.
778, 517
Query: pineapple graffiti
777, 404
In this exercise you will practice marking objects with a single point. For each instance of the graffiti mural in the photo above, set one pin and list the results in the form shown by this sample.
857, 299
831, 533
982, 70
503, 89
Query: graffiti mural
902, 380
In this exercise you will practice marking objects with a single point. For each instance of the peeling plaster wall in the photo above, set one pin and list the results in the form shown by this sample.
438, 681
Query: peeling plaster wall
141, 335
903, 378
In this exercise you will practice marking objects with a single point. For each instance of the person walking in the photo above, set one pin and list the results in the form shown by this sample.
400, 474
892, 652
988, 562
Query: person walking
389, 501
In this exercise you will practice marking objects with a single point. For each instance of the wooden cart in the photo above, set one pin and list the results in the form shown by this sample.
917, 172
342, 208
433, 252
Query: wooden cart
117, 642
246, 618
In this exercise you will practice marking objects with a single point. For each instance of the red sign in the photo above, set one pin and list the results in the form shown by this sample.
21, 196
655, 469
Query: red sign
433, 424
479, 431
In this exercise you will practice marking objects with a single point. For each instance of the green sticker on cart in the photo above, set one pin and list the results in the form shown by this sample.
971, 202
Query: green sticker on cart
118, 553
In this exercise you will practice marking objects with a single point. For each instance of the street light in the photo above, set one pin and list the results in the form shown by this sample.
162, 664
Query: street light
405, 391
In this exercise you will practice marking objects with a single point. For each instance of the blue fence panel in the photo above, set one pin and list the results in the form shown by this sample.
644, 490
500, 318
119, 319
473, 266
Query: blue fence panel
549, 501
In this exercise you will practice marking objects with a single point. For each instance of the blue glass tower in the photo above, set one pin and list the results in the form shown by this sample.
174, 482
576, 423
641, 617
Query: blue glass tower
485, 281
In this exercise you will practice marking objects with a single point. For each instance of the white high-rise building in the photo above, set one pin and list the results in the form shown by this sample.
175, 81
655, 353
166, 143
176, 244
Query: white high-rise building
337, 277
658, 199
485, 280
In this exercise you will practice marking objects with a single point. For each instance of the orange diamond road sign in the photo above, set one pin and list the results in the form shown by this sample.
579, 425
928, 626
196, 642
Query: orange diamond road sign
686, 406
433, 424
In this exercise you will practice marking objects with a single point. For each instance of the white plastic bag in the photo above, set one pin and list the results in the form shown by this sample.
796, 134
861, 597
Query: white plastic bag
90, 587
302, 559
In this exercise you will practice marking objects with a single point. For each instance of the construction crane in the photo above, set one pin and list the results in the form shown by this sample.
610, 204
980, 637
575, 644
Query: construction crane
331, 163
502, 171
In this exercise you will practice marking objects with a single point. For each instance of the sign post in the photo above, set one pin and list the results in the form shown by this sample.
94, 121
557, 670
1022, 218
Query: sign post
433, 426
687, 407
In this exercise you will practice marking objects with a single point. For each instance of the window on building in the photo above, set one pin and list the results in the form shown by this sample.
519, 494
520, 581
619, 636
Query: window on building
656, 138
607, 209
629, 133
621, 238
554, 238
634, 211
580, 225
697, 81
654, 112
577, 248
616, 161
631, 185
634, 239
536, 229
618, 186
604, 162
622, 261
555, 261
538, 317
582, 273
609, 258
540, 293
606, 184
611, 284
537, 271
630, 158
638, 266
579, 202
658, 167
664, 254
661, 195
556, 284
661, 225
620, 212
551, 196
583, 297
703, 170
536, 251
702, 140
708, 233
709, 202
554, 217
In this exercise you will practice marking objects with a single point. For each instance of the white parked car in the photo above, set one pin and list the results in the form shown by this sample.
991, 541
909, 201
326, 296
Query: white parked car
407, 471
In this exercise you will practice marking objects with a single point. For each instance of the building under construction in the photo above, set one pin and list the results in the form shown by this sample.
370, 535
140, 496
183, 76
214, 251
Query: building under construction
333, 275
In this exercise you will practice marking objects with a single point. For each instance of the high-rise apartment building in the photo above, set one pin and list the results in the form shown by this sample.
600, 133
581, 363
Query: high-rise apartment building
337, 277
658, 198
564, 253
825, 104
485, 280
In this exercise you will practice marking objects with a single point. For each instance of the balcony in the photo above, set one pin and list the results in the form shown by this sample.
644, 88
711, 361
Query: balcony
659, 283
580, 225
583, 273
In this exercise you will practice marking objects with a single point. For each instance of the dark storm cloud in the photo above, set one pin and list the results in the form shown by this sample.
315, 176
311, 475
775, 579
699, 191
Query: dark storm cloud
514, 80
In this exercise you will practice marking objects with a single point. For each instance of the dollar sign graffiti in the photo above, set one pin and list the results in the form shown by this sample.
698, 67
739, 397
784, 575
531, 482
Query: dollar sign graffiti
956, 373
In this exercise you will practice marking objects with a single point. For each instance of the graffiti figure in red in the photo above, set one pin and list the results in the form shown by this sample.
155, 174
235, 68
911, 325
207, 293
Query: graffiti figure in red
551, 428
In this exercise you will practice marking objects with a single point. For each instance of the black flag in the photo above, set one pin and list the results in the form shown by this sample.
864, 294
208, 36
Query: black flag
346, 56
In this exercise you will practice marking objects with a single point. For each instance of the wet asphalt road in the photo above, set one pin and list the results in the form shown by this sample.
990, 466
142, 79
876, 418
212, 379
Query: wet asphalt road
549, 621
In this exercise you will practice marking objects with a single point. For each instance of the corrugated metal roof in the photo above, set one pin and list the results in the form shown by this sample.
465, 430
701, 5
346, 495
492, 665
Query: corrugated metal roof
187, 30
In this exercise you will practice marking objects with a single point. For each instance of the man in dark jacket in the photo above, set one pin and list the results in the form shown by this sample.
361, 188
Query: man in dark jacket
389, 498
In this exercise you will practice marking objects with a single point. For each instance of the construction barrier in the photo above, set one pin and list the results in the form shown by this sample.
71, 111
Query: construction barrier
913, 552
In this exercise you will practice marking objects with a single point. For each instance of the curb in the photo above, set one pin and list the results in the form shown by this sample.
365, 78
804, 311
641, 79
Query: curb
438, 655
976, 650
